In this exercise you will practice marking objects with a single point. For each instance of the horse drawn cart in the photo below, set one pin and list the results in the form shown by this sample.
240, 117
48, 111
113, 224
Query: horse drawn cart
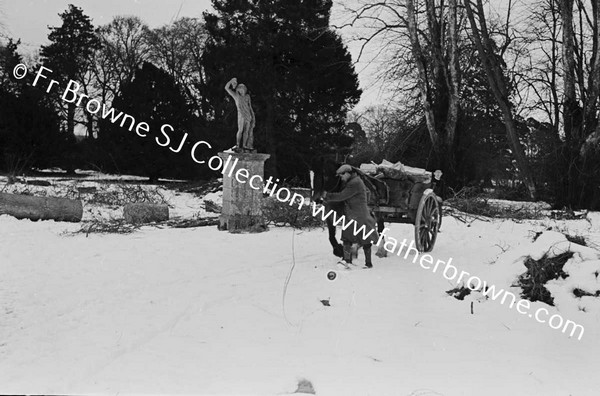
402, 194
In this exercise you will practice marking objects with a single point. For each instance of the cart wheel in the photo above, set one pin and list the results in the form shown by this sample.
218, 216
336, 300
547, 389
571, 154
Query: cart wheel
427, 221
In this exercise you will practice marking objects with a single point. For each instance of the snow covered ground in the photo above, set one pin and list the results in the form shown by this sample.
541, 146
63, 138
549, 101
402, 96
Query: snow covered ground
199, 311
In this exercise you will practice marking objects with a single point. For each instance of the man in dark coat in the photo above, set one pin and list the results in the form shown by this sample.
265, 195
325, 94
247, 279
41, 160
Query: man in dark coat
354, 197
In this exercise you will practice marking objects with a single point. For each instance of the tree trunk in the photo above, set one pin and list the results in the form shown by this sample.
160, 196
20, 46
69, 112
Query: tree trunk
422, 81
69, 158
572, 113
500, 90
271, 164
71, 119
591, 119
554, 73
452, 82
41, 208
570, 107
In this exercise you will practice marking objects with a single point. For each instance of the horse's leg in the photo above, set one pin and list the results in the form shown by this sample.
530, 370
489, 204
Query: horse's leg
338, 249
348, 251
381, 252
367, 250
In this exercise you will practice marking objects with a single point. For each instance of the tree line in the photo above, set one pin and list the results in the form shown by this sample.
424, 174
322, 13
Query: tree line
494, 92
298, 70
505, 99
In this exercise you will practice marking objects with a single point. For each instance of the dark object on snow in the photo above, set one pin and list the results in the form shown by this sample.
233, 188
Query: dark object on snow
305, 386
41, 208
578, 239
139, 213
538, 273
326, 303
577, 292
459, 292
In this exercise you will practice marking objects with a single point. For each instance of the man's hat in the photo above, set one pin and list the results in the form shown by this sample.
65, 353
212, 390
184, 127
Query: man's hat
343, 169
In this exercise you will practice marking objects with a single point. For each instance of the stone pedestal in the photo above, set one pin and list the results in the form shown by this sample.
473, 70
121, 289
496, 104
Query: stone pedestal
243, 175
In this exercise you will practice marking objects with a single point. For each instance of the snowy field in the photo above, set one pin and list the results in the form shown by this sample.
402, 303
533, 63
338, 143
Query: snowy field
199, 311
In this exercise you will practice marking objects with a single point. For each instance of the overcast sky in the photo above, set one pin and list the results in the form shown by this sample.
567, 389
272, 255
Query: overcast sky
29, 21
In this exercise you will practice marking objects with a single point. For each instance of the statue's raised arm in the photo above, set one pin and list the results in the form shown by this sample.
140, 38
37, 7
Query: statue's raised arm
230, 86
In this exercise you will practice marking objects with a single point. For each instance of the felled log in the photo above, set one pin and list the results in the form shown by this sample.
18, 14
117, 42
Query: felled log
139, 213
41, 208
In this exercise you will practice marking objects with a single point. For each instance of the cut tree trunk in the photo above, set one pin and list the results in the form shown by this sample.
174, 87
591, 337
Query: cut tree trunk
41, 208
139, 213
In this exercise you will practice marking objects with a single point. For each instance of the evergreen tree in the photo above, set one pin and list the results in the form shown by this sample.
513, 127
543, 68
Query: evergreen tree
29, 126
298, 72
153, 97
9, 58
69, 53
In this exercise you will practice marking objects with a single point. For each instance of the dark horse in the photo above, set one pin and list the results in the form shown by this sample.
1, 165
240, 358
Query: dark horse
325, 179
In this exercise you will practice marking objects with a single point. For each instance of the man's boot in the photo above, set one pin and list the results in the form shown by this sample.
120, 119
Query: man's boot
347, 260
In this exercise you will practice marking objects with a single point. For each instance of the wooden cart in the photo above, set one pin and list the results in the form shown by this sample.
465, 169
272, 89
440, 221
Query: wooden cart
408, 200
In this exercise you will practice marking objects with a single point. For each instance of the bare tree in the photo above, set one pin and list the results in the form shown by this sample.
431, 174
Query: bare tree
421, 39
581, 70
572, 120
540, 78
498, 85
178, 48
591, 122
124, 49
380, 125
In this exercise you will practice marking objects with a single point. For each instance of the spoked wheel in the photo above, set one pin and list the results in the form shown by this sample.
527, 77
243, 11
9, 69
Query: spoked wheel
427, 221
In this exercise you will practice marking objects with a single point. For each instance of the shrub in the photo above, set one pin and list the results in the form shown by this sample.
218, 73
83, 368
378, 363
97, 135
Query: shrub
518, 193
281, 214
472, 201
